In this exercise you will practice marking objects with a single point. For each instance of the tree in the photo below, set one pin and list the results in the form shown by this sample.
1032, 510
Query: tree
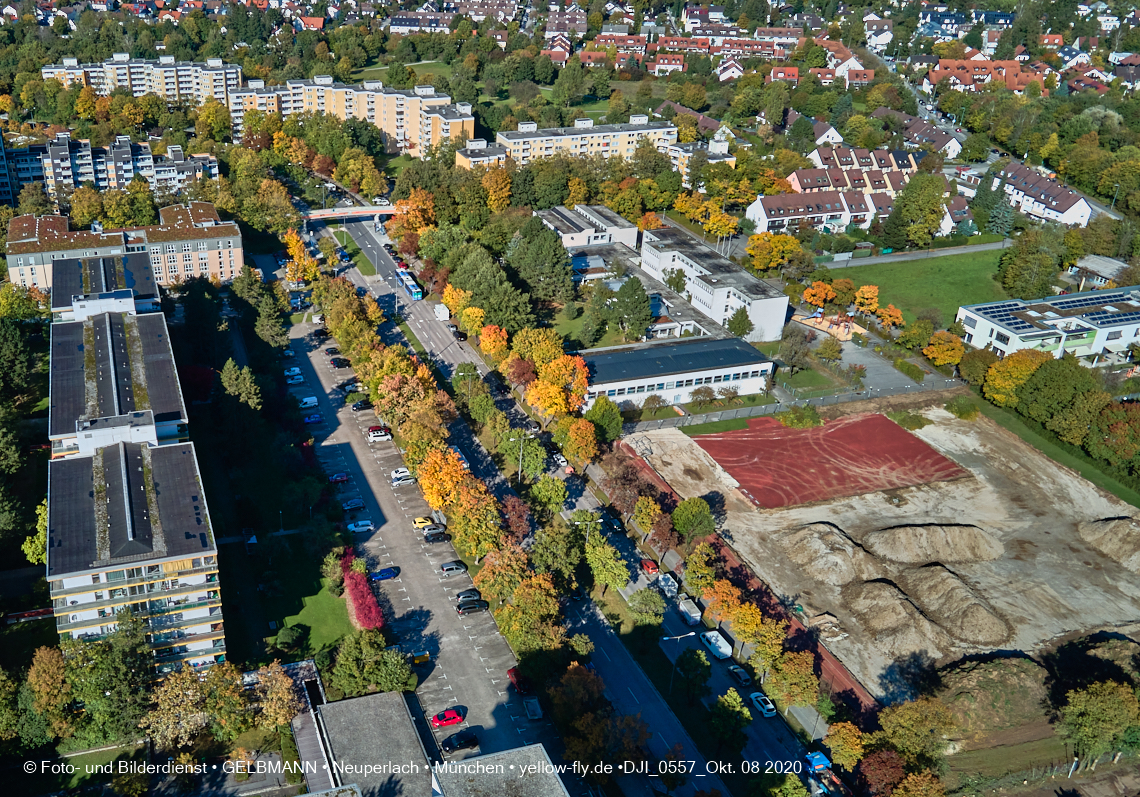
631, 309
703, 396
225, 702
794, 349
47, 678
35, 546
819, 294
301, 265
867, 299
497, 182
890, 316
694, 670
920, 784
240, 383
109, 677
692, 518
647, 607
845, 743
606, 417
606, 564
917, 335
178, 714
9, 717
1114, 436
502, 572
1095, 717
724, 601
363, 664
33, 200
700, 569
276, 696
765, 634
945, 348
1028, 268
582, 441
918, 730
558, 549
975, 364
881, 771
829, 350
86, 207
675, 280
770, 251
727, 720
1074, 422
1053, 388
1001, 218
549, 493
793, 678
1007, 375
15, 354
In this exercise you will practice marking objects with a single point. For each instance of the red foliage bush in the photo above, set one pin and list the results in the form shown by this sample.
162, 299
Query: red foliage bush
360, 596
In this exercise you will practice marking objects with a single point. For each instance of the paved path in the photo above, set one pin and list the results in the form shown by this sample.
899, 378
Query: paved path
919, 255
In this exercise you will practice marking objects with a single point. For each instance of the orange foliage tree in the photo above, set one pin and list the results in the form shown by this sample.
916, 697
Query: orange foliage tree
582, 441
867, 299
650, 221
414, 214
493, 343
440, 473
890, 316
724, 601
819, 294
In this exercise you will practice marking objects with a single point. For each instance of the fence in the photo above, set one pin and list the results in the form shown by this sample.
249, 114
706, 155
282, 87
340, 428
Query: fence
781, 406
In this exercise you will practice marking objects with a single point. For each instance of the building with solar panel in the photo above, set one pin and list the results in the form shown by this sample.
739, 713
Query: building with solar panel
128, 524
1089, 324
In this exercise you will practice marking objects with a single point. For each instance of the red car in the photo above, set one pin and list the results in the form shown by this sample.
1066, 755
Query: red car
649, 567
447, 717
338, 478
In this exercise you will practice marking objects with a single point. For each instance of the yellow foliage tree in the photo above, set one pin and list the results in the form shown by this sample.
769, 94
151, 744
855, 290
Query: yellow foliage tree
579, 192
867, 299
456, 299
302, 265
439, 474
540, 346
945, 348
721, 224
472, 319
819, 294
497, 181
890, 316
1008, 374
771, 250
845, 743
690, 205
547, 398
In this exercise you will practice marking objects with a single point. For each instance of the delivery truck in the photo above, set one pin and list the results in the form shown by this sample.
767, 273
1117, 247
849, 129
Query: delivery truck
689, 611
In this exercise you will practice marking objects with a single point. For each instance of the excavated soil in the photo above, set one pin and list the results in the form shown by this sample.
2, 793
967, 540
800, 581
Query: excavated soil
1019, 553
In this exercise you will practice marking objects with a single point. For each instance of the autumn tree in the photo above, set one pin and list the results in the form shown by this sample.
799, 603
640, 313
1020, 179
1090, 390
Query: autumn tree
819, 294
47, 679
975, 364
1008, 374
766, 635
606, 563
920, 784
890, 316
770, 251
692, 518
918, 729
502, 572
700, 569
276, 696
493, 343
225, 702
497, 182
867, 299
881, 771
1095, 717
582, 441
178, 714
301, 265
945, 348
845, 743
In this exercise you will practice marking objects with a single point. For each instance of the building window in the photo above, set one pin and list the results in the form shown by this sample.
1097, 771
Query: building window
169, 248
1002, 337
621, 391
1115, 335
611, 392
95, 579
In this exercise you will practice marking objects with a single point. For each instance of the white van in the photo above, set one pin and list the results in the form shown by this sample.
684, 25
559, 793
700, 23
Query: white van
309, 402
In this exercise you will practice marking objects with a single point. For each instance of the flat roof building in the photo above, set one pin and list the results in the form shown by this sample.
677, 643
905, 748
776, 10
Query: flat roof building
1089, 324
715, 285
585, 138
371, 729
479, 153
87, 286
628, 374
175, 81
585, 225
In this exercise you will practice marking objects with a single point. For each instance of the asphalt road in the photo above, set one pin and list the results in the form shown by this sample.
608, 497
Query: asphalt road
469, 658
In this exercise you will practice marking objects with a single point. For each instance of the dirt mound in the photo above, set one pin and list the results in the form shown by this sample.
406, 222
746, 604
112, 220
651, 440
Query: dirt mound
829, 555
988, 697
1122, 652
918, 545
897, 625
948, 601
1117, 538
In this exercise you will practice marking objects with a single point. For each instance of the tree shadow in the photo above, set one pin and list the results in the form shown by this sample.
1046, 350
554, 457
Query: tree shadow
908, 677
1076, 666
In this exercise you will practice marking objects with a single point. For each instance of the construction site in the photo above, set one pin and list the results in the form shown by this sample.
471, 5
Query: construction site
906, 547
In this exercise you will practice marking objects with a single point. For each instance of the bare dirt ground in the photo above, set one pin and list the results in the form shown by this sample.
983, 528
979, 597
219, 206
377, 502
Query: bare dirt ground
998, 560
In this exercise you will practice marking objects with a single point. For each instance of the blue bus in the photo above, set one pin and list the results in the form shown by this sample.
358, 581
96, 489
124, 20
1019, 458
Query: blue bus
408, 283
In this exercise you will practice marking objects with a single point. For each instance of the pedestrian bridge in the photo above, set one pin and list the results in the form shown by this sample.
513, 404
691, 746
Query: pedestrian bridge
366, 212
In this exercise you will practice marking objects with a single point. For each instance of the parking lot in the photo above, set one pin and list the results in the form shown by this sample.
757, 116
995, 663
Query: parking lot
469, 659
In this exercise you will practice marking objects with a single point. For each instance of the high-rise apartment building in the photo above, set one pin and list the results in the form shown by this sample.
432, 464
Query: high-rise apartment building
189, 241
68, 163
128, 525
190, 82
585, 138
411, 120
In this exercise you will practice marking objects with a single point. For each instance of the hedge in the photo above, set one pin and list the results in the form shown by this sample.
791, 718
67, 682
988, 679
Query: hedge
359, 594
910, 369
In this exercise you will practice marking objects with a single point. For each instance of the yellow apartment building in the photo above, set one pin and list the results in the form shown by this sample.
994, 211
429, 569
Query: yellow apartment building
585, 138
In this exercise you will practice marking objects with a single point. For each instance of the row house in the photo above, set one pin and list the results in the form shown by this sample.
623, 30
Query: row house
839, 57
956, 211
665, 63
694, 17
964, 75
789, 74
410, 120
921, 134
628, 45
859, 78
570, 23
530, 143
67, 164
824, 210
592, 58
865, 159
729, 68
1041, 197
409, 22
716, 34
174, 81
825, 76
811, 181
479, 10
769, 49
684, 44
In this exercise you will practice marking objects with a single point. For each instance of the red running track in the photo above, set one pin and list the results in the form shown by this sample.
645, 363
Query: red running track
777, 466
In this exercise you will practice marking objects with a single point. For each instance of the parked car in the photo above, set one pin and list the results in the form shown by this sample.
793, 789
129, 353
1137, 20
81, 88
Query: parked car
361, 526
443, 719
363, 404
459, 741
452, 568
339, 362
295, 379
452, 328
432, 528
398, 472
471, 607
420, 522
379, 434
316, 417
741, 676
338, 478
461, 336
294, 371
434, 537
332, 351
387, 574
649, 567
352, 504
361, 292
403, 481
520, 683
289, 353
469, 595
322, 333
765, 706
560, 460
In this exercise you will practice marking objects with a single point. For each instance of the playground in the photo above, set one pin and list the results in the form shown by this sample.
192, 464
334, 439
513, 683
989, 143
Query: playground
916, 547
839, 327
776, 466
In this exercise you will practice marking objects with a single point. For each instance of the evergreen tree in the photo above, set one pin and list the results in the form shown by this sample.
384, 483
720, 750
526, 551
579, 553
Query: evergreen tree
1001, 218
894, 230
631, 309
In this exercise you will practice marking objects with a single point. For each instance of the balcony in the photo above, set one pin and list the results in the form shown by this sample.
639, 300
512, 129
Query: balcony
64, 624
106, 585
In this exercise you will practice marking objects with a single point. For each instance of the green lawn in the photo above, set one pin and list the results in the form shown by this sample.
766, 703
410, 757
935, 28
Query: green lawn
48, 782
570, 328
394, 166
731, 425
358, 257
428, 70
594, 108
805, 378
943, 282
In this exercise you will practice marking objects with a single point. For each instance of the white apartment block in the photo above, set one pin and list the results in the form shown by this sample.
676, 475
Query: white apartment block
714, 285
411, 120
68, 163
190, 82
589, 225
585, 138
1038, 196
1085, 324
189, 241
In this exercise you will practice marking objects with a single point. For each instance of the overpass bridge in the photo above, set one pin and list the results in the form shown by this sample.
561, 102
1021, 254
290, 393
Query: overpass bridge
368, 211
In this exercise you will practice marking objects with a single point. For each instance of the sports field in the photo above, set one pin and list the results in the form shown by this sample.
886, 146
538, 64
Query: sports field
777, 466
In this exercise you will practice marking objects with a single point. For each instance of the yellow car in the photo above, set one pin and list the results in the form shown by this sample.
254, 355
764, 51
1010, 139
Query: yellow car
420, 522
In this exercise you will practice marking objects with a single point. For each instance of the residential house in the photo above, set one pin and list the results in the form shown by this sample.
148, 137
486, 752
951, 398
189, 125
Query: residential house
665, 63
880, 33
1042, 197
479, 153
789, 74
859, 78
705, 124
921, 134
1070, 58
729, 69
825, 76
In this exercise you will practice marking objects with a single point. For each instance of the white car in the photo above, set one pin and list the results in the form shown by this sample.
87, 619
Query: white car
765, 706
361, 526
560, 460
400, 473
295, 379
288, 353
294, 371
379, 437
379, 200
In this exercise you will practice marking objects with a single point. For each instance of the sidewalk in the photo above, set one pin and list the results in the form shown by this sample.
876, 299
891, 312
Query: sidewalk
902, 257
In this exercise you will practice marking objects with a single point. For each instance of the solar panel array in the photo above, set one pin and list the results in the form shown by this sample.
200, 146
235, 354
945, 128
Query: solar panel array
1094, 300
1104, 318
1003, 314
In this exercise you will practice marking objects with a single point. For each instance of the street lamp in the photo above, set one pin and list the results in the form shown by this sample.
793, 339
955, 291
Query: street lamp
589, 524
674, 670
1114, 195
522, 440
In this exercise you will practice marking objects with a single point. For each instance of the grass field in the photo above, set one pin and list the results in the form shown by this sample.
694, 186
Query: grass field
754, 400
48, 782
715, 427
430, 69
594, 108
997, 761
570, 328
806, 379
942, 282
358, 257
394, 166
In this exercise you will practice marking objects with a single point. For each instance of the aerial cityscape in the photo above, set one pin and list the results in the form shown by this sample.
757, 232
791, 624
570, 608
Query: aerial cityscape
471, 398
